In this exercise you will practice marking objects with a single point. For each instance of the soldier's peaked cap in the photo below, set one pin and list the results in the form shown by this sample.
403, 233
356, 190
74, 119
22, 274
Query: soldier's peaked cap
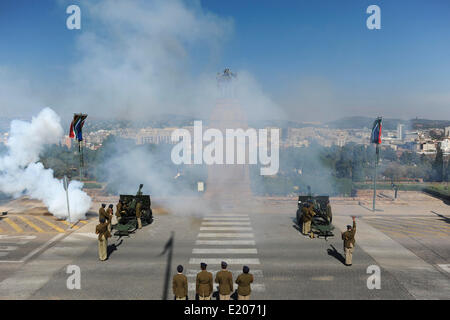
224, 264
203, 265
349, 226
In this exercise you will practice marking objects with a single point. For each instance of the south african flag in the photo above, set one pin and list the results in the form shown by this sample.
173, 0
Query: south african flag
375, 137
77, 125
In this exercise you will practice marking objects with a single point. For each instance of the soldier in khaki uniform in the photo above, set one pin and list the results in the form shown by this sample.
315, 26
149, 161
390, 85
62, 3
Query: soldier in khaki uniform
119, 206
180, 285
307, 215
349, 242
204, 283
138, 214
225, 280
102, 213
103, 234
109, 213
243, 281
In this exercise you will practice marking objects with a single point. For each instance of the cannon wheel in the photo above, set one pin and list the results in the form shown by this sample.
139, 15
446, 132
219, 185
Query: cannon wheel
150, 216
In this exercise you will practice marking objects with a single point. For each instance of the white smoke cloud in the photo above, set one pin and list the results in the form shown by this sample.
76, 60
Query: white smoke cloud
21, 173
142, 58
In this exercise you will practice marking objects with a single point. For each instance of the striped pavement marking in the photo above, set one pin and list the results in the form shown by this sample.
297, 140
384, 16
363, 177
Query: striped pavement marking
13, 225
225, 251
236, 273
225, 235
31, 224
225, 229
218, 261
226, 215
225, 223
22, 239
32, 253
256, 287
236, 232
225, 242
226, 219
36, 224
69, 224
50, 224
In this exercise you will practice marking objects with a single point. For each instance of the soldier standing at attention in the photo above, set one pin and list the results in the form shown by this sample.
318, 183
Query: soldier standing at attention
103, 234
138, 214
307, 215
180, 285
109, 213
243, 281
225, 280
349, 242
204, 283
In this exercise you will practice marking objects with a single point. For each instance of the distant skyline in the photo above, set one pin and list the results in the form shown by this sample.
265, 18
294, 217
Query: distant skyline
301, 60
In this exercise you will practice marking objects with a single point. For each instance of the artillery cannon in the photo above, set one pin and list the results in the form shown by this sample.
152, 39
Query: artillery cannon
321, 223
128, 222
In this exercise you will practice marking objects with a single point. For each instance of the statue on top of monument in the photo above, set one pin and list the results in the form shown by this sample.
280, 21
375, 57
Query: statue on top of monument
224, 80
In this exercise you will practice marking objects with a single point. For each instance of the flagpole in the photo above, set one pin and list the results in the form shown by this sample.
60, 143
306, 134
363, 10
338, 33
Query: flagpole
375, 177
376, 138
81, 159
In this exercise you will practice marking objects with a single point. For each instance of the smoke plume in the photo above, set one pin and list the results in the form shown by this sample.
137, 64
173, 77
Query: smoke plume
22, 174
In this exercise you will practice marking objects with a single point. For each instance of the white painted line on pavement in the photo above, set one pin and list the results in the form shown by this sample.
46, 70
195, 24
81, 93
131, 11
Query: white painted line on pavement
226, 215
227, 219
225, 235
255, 273
445, 267
4, 238
225, 242
226, 223
255, 287
225, 251
8, 248
211, 261
32, 253
225, 229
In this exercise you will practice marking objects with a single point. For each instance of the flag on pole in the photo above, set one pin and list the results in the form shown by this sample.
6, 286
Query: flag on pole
76, 126
375, 137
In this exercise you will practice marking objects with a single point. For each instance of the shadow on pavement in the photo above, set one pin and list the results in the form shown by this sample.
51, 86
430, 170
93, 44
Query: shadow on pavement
334, 253
113, 247
442, 217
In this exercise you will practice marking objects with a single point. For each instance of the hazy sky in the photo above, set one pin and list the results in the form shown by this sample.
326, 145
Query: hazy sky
304, 60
